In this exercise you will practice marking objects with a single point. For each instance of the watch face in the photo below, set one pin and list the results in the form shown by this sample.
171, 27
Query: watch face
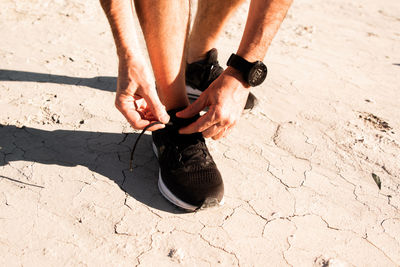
257, 74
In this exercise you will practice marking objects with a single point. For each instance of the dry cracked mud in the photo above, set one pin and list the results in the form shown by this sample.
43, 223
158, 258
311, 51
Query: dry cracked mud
297, 169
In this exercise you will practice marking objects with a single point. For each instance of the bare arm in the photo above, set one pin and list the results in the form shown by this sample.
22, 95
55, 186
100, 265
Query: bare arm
263, 21
120, 17
136, 96
227, 95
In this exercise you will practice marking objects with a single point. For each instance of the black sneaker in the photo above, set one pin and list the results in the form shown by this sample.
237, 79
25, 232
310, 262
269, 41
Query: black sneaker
188, 176
200, 74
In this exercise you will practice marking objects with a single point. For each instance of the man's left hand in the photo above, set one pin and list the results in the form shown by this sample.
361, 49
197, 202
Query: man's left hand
225, 99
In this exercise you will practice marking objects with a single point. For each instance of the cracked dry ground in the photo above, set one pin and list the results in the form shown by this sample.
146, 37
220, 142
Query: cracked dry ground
301, 171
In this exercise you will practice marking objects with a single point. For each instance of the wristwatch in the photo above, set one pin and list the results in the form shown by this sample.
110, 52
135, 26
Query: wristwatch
254, 73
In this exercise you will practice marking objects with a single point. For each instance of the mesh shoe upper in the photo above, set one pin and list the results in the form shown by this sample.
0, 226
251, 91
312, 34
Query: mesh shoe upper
187, 168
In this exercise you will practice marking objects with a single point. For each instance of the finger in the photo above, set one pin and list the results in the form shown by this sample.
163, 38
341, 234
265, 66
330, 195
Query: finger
228, 131
129, 106
219, 135
200, 125
136, 121
192, 109
131, 115
141, 124
156, 107
223, 133
156, 127
212, 131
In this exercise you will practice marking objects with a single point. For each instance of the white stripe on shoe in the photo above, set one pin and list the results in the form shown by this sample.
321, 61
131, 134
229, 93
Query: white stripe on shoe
175, 200
168, 194
171, 197
192, 92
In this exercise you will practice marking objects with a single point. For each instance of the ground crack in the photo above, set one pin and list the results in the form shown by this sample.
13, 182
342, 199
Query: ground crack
220, 248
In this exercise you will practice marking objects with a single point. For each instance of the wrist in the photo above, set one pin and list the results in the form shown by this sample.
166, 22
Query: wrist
129, 58
237, 75
125, 53
251, 56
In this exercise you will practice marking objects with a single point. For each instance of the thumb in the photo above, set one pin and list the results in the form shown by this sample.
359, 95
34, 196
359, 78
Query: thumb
156, 107
192, 109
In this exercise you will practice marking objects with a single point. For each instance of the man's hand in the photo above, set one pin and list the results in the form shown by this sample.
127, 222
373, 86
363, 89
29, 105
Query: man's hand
225, 98
137, 97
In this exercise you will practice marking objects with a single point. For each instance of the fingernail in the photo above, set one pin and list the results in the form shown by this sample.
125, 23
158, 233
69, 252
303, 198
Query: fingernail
165, 118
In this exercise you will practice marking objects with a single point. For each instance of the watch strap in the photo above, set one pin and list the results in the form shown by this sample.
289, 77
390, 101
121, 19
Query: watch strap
240, 64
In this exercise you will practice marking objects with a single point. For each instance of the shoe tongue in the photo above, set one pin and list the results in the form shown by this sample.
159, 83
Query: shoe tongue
177, 123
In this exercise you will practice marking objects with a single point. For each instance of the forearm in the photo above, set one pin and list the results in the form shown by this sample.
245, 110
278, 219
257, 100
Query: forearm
120, 16
263, 21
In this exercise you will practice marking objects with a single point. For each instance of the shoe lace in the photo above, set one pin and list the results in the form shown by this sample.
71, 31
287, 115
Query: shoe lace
186, 152
189, 153
137, 141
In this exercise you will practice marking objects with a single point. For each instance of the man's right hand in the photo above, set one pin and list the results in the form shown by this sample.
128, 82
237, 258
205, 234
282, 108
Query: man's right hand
137, 97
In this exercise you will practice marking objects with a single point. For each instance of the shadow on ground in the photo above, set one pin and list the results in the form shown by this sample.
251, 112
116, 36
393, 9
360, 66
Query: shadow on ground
105, 83
102, 153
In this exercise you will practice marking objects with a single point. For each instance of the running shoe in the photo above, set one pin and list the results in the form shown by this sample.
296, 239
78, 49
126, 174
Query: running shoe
188, 175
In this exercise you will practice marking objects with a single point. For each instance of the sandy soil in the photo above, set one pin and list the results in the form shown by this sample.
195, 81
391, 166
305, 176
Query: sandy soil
301, 171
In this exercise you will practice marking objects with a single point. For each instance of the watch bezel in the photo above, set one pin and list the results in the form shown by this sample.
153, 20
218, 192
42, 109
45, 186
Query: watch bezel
257, 74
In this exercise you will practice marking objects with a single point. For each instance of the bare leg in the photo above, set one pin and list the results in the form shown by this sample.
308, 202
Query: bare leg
210, 19
165, 27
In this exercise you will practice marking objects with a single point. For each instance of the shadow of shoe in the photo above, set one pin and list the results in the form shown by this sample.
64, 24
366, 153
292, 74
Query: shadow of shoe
106, 154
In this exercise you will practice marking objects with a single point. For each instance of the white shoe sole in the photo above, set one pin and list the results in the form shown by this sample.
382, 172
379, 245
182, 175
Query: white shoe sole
176, 201
192, 92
